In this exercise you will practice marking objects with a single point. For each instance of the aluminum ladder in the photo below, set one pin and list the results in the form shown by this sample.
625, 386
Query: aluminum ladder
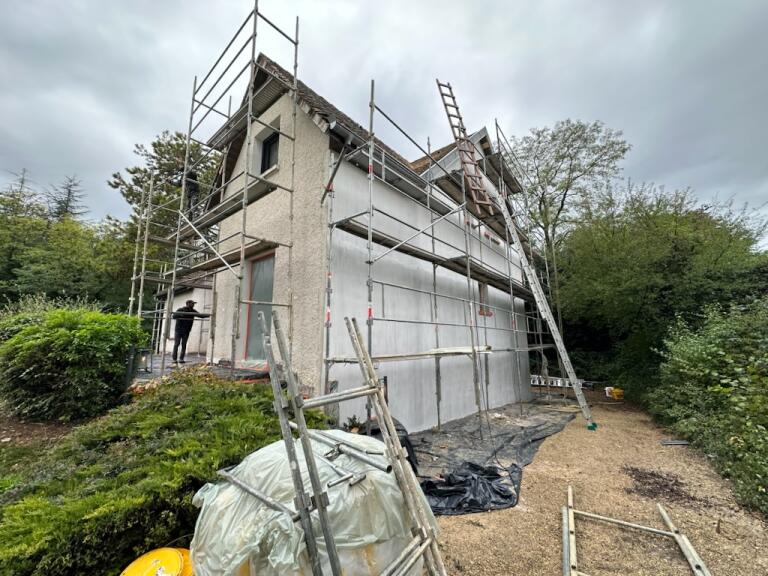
491, 199
424, 538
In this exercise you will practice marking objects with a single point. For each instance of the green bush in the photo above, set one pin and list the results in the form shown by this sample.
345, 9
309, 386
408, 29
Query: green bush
31, 308
123, 483
714, 391
65, 364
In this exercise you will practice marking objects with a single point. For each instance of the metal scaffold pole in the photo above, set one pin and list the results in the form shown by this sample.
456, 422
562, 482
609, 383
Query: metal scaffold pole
148, 222
371, 112
139, 223
170, 292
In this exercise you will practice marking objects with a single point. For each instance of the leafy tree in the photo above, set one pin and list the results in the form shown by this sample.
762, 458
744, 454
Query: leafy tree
66, 199
564, 164
639, 258
45, 249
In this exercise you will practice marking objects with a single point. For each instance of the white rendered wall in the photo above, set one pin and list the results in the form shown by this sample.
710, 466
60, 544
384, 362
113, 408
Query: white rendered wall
411, 384
268, 218
198, 338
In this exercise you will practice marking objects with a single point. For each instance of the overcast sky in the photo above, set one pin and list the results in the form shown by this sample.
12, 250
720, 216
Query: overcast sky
82, 81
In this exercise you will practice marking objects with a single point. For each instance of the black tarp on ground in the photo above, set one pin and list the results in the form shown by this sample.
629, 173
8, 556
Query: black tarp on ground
474, 488
464, 472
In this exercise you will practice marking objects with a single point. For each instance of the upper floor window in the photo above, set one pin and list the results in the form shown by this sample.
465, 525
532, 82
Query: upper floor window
269, 148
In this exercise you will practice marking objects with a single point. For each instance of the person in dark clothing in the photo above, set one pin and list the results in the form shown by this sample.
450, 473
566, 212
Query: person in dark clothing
185, 319
193, 190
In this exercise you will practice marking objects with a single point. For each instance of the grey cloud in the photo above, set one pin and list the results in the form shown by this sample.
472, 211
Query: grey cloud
83, 81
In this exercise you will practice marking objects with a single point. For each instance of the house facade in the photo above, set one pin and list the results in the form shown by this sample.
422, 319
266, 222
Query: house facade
428, 277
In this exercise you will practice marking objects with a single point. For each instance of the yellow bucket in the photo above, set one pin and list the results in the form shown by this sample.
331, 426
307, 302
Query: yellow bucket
166, 561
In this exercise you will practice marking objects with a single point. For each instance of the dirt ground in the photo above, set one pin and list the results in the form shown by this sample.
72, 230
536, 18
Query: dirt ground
18, 432
620, 470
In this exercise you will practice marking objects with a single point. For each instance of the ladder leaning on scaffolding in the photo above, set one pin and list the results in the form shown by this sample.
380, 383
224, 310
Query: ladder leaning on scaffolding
424, 541
488, 201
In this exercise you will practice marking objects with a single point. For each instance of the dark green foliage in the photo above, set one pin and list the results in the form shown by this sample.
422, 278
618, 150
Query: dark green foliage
46, 249
638, 259
714, 391
65, 364
123, 484
31, 308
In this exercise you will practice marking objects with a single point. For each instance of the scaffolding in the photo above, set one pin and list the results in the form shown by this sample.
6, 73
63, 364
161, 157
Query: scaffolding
443, 194
179, 242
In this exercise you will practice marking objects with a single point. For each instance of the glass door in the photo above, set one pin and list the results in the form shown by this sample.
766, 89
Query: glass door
261, 280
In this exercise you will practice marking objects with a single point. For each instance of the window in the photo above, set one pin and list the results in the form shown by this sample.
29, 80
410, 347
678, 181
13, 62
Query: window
269, 151
483, 294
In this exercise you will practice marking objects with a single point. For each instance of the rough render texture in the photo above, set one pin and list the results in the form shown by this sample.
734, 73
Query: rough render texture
268, 218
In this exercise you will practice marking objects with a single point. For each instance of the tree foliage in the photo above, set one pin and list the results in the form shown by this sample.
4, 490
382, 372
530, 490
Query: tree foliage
66, 199
639, 258
46, 248
563, 165
164, 158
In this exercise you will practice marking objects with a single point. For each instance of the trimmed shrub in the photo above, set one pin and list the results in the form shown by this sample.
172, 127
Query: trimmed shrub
123, 484
31, 308
65, 364
714, 391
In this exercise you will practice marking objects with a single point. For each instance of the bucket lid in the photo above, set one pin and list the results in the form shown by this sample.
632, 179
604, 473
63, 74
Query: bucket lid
160, 562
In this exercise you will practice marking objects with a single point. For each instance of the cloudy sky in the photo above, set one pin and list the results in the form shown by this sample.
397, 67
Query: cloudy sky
81, 81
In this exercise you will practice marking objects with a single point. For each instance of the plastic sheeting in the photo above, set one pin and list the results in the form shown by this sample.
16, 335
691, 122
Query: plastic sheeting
468, 472
237, 535
473, 488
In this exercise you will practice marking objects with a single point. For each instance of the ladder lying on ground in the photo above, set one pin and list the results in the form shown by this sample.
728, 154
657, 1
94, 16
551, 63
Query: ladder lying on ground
424, 541
488, 199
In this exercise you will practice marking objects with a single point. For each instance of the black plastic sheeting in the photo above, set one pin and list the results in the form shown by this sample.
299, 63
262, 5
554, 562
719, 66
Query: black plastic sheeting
473, 488
463, 471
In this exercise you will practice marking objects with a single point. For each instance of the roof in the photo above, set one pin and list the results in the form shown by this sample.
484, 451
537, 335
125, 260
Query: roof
422, 163
321, 106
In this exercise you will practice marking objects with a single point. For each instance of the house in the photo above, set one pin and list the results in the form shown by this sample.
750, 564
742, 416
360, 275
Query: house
308, 260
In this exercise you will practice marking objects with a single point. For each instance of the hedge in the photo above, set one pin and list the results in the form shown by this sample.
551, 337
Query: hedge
65, 364
714, 392
123, 484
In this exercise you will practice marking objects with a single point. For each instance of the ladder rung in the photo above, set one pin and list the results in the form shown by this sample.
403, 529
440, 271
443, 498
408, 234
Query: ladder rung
338, 396
412, 558
393, 566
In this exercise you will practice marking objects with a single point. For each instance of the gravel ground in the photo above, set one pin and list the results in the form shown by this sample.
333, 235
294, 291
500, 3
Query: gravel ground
620, 471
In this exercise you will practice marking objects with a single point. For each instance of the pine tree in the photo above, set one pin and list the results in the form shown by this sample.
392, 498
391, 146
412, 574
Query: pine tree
66, 199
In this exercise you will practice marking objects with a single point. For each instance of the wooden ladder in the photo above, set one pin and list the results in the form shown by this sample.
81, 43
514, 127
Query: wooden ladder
490, 199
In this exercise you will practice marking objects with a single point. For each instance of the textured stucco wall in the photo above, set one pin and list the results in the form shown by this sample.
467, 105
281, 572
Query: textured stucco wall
268, 218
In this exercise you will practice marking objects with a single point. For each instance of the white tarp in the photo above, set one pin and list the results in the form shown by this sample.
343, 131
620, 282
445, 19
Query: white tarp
237, 535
